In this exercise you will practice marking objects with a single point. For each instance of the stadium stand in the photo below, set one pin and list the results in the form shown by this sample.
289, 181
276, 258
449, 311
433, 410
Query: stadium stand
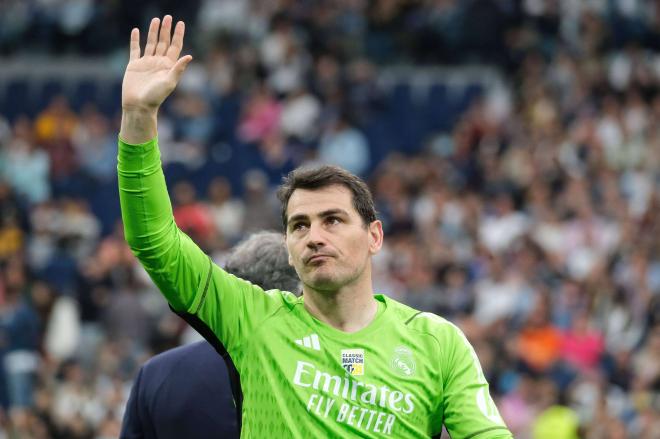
512, 148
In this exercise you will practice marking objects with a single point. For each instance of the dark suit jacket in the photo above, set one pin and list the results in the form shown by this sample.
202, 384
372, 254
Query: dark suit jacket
183, 393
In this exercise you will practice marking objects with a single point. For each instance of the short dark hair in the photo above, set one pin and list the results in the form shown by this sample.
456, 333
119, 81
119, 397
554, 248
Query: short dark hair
318, 177
263, 259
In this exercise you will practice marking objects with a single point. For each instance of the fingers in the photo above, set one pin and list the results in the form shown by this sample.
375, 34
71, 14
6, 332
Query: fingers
177, 41
165, 34
159, 39
180, 67
152, 37
135, 44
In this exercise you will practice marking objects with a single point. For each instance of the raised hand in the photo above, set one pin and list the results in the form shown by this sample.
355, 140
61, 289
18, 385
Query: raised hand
150, 78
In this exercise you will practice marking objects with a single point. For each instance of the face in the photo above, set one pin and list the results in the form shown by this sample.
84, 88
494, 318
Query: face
328, 243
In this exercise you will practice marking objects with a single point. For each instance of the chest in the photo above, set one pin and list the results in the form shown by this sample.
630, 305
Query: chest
385, 375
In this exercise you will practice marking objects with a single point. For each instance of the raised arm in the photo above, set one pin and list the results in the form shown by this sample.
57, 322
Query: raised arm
173, 261
220, 305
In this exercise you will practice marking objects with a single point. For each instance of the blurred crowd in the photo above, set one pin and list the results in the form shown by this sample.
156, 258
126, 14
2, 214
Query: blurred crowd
531, 221
420, 31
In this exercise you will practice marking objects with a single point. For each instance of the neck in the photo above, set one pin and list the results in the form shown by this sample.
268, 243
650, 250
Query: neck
348, 309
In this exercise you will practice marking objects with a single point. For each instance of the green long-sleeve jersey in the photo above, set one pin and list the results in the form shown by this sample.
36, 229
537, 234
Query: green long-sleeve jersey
403, 376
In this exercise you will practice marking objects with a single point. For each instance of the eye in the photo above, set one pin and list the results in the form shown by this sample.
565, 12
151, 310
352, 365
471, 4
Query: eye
333, 220
298, 226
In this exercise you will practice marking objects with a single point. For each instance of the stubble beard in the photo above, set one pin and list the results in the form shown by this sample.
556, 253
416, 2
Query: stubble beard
330, 281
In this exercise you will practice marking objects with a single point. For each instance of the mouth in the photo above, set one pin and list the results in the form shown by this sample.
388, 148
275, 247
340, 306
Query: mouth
316, 259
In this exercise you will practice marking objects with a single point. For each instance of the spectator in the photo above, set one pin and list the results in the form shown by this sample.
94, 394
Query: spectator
20, 332
192, 216
539, 342
582, 346
343, 145
24, 166
228, 212
95, 145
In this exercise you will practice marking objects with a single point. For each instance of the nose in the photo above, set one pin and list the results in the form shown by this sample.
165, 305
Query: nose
315, 238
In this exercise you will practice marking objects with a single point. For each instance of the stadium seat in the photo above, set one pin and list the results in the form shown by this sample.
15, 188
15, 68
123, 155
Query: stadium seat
84, 92
47, 91
17, 99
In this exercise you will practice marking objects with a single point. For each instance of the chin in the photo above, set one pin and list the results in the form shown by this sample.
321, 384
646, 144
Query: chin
323, 283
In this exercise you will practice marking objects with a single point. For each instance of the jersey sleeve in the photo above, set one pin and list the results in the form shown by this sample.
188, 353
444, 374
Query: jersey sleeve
227, 306
469, 410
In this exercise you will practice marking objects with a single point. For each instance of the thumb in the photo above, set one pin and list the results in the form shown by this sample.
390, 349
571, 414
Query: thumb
180, 66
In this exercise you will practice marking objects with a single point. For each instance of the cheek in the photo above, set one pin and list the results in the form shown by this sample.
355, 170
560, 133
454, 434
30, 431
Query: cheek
291, 250
358, 248
295, 255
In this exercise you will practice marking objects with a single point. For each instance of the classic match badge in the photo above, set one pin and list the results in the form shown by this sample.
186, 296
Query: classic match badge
402, 361
353, 361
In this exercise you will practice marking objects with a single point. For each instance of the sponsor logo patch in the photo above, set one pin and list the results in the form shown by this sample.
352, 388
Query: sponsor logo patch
352, 360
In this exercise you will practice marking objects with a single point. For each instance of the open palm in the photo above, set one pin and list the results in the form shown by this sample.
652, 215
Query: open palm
151, 77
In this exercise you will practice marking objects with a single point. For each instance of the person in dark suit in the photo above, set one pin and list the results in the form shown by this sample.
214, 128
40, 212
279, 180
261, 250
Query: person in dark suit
184, 393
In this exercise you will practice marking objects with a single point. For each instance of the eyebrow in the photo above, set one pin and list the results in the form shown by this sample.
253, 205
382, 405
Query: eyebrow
324, 214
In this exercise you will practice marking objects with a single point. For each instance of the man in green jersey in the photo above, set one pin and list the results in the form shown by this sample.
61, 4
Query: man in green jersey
338, 361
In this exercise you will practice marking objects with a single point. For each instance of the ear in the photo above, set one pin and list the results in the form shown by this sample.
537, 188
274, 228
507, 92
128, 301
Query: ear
375, 236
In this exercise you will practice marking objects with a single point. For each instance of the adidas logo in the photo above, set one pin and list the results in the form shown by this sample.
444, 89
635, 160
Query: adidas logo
311, 341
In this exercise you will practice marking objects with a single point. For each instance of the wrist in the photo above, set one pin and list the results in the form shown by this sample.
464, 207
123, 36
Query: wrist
138, 125
135, 110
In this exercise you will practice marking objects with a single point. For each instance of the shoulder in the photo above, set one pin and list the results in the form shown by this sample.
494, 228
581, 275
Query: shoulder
275, 296
193, 353
184, 367
285, 297
423, 322
278, 301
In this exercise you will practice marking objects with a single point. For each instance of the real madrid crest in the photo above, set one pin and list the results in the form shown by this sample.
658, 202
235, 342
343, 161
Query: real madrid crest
403, 361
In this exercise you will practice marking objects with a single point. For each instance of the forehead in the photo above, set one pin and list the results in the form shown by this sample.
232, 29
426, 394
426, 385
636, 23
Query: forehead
312, 201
